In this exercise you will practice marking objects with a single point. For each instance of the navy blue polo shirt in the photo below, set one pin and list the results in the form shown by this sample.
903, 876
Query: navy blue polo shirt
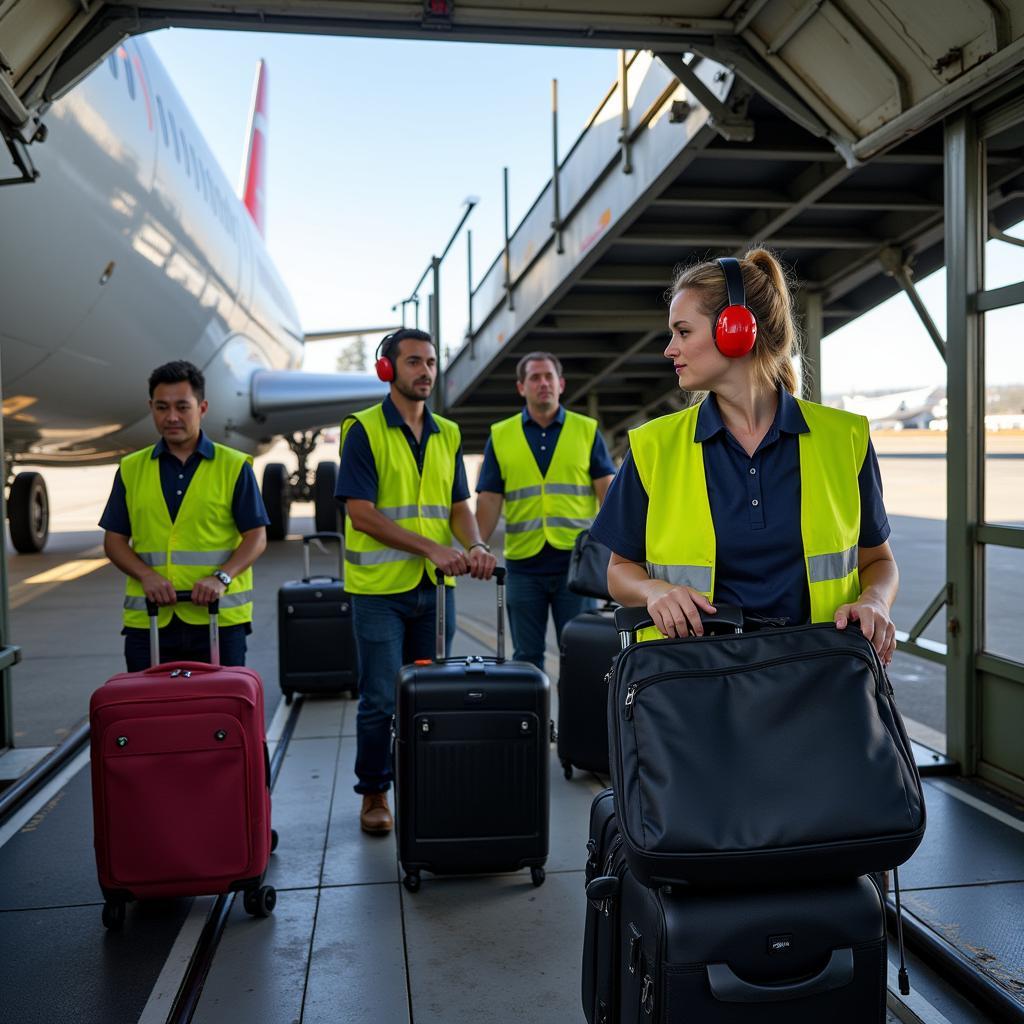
357, 475
542, 441
755, 507
247, 506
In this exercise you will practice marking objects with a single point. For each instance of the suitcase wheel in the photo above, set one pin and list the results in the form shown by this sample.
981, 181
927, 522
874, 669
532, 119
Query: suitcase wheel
113, 915
412, 881
567, 769
273, 839
288, 697
260, 902
537, 875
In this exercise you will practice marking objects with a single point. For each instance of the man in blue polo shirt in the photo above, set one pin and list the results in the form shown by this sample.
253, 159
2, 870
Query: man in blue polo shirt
550, 468
184, 514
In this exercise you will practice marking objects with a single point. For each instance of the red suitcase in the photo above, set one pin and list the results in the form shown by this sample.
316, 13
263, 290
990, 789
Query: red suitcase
181, 782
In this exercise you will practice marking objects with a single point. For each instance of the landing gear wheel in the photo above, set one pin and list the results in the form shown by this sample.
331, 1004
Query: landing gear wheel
537, 876
274, 837
113, 915
260, 902
325, 508
412, 881
567, 769
28, 510
276, 492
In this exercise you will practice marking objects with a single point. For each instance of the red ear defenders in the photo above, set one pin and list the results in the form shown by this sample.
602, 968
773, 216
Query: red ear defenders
385, 365
735, 326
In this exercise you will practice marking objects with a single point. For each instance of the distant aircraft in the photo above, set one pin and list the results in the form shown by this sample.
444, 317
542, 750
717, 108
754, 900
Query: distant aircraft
901, 409
131, 250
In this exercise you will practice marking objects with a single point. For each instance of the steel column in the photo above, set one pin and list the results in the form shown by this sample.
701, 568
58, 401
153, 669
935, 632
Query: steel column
965, 230
435, 331
8, 653
810, 350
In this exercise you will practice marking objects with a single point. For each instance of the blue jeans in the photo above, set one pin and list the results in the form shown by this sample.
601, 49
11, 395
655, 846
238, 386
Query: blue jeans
182, 641
391, 630
530, 595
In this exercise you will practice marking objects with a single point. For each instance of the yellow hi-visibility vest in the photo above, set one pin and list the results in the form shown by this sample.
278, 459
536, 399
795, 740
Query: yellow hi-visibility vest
202, 537
554, 507
418, 502
680, 541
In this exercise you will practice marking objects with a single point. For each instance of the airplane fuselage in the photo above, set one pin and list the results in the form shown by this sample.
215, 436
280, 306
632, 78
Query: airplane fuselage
131, 250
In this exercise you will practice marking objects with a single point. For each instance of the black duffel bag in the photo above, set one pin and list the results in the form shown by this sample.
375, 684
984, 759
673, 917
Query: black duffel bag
588, 567
759, 757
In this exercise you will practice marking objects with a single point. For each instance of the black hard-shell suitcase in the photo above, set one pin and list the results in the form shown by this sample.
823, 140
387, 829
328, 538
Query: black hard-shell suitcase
784, 955
605, 860
471, 762
316, 646
589, 644
758, 757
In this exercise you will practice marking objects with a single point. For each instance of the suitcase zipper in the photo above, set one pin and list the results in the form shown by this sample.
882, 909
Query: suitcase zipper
633, 689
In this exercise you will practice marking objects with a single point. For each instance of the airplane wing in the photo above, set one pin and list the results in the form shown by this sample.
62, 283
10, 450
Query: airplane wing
286, 401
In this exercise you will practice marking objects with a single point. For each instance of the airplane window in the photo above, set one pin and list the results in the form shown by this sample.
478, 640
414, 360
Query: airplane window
174, 135
163, 121
112, 62
129, 77
184, 146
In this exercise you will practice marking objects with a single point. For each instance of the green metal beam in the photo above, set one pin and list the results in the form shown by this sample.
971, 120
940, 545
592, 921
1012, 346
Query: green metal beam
965, 231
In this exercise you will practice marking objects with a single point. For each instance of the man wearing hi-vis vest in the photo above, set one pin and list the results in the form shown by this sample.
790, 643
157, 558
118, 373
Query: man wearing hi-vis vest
405, 493
551, 469
184, 514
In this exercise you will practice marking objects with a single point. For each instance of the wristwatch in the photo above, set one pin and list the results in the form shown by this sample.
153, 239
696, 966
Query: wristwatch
221, 575
480, 544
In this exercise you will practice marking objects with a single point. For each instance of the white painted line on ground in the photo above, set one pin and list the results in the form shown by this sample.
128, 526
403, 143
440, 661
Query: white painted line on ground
169, 980
276, 726
978, 805
39, 805
911, 1009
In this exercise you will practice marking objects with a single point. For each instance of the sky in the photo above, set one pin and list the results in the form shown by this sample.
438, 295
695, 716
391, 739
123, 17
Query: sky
374, 145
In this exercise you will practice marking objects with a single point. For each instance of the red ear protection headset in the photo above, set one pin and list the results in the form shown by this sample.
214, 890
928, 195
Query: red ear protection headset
735, 326
385, 365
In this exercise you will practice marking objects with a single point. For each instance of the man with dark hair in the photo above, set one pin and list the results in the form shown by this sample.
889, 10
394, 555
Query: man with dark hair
550, 468
405, 492
184, 514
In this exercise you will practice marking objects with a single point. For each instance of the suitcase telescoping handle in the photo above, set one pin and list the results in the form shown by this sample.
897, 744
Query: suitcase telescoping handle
628, 621
337, 538
499, 578
153, 610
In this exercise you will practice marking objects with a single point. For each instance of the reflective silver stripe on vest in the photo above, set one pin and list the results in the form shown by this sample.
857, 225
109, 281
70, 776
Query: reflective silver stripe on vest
200, 557
571, 523
524, 492
377, 557
696, 576
583, 489
837, 566
134, 603
413, 512
525, 526
152, 557
435, 511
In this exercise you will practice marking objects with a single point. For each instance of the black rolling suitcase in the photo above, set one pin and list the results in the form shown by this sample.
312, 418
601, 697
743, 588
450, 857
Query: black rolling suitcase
316, 647
589, 644
471, 762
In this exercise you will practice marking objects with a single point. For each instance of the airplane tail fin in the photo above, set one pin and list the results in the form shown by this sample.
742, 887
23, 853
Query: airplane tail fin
254, 172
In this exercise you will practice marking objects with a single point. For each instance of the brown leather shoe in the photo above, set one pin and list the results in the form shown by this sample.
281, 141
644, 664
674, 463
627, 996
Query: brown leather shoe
375, 816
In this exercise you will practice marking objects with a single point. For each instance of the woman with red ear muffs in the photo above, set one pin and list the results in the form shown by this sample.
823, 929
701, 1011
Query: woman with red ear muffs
751, 496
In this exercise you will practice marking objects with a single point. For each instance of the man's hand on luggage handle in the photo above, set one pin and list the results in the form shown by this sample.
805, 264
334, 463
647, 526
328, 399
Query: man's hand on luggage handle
157, 588
481, 564
875, 623
452, 562
675, 610
207, 590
